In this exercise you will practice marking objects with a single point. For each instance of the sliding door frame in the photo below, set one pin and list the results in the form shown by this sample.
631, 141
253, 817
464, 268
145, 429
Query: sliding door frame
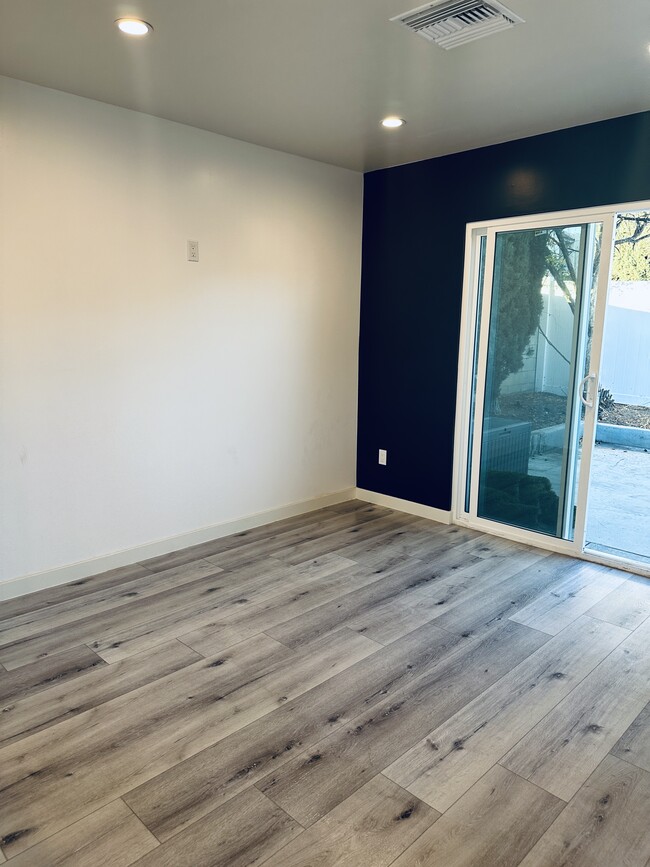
470, 392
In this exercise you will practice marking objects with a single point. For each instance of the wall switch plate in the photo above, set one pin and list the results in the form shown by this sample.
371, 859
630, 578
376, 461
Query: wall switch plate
383, 457
192, 251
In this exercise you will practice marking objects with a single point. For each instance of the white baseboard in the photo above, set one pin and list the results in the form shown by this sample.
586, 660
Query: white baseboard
407, 506
75, 571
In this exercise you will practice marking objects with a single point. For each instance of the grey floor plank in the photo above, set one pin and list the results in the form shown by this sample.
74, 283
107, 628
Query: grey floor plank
89, 629
176, 606
398, 586
428, 546
400, 633
371, 827
469, 580
411, 594
110, 836
192, 788
415, 540
59, 775
46, 673
627, 606
71, 591
237, 540
320, 538
245, 831
264, 617
304, 549
506, 597
580, 591
347, 505
450, 759
605, 824
634, 744
398, 542
62, 701
237, 607
264, 538
494, 825
308, 786
44, 620
488, 546
563, 749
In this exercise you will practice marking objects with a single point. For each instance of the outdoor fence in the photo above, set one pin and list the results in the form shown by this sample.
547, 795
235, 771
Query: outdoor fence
625, 368
625, 365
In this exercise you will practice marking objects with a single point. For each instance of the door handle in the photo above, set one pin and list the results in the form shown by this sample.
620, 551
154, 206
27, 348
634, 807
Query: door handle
587, 401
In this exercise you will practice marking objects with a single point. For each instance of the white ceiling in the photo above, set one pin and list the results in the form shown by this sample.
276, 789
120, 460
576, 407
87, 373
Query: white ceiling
314, 77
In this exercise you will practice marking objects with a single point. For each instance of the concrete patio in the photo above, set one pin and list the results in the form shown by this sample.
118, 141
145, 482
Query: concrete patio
618, 518
619, 501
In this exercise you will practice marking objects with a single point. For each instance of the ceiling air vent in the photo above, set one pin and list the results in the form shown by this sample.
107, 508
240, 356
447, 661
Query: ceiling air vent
455, 22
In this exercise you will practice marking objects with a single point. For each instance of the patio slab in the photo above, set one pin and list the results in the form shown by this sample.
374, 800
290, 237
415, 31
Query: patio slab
619, 499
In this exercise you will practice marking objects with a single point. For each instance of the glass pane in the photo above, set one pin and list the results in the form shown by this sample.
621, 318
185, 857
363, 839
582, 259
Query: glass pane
618, 519
531, 375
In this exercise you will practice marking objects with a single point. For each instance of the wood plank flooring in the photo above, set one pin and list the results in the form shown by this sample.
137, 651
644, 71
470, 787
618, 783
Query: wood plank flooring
353, 686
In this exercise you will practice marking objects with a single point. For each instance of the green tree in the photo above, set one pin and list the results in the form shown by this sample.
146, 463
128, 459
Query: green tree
562, 256
520, 268
632, 247
524, 258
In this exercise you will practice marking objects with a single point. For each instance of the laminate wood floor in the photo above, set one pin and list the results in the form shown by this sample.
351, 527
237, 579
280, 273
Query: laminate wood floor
352, 687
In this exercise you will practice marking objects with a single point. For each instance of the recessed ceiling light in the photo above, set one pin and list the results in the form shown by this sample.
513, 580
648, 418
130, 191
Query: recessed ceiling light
134, 26
393, 122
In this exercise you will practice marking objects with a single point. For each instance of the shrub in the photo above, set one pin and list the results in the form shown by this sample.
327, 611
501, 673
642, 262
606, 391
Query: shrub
605, 401
515, 498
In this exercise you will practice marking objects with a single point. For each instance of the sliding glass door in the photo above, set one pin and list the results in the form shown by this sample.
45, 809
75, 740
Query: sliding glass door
532, 375
618, 519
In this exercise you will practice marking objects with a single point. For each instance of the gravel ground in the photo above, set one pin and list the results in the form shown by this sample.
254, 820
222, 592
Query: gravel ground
540, 409
544, 410
627, 416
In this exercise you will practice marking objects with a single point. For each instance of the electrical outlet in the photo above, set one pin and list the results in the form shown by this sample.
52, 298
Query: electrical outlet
192, 251
383, 457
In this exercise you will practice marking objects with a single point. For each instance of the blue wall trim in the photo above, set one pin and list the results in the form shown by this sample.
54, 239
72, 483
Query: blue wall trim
414, 224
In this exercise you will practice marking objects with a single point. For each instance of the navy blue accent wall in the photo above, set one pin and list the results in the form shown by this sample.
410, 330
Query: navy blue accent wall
412, 273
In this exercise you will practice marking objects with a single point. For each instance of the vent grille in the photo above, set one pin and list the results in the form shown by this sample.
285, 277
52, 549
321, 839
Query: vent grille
450, 24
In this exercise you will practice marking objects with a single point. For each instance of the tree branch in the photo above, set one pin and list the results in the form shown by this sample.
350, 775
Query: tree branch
553, 346
559, 279
567, 255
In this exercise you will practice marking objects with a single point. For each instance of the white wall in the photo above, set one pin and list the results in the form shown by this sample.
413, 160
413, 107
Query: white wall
544, 369
625, 366
142, 396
